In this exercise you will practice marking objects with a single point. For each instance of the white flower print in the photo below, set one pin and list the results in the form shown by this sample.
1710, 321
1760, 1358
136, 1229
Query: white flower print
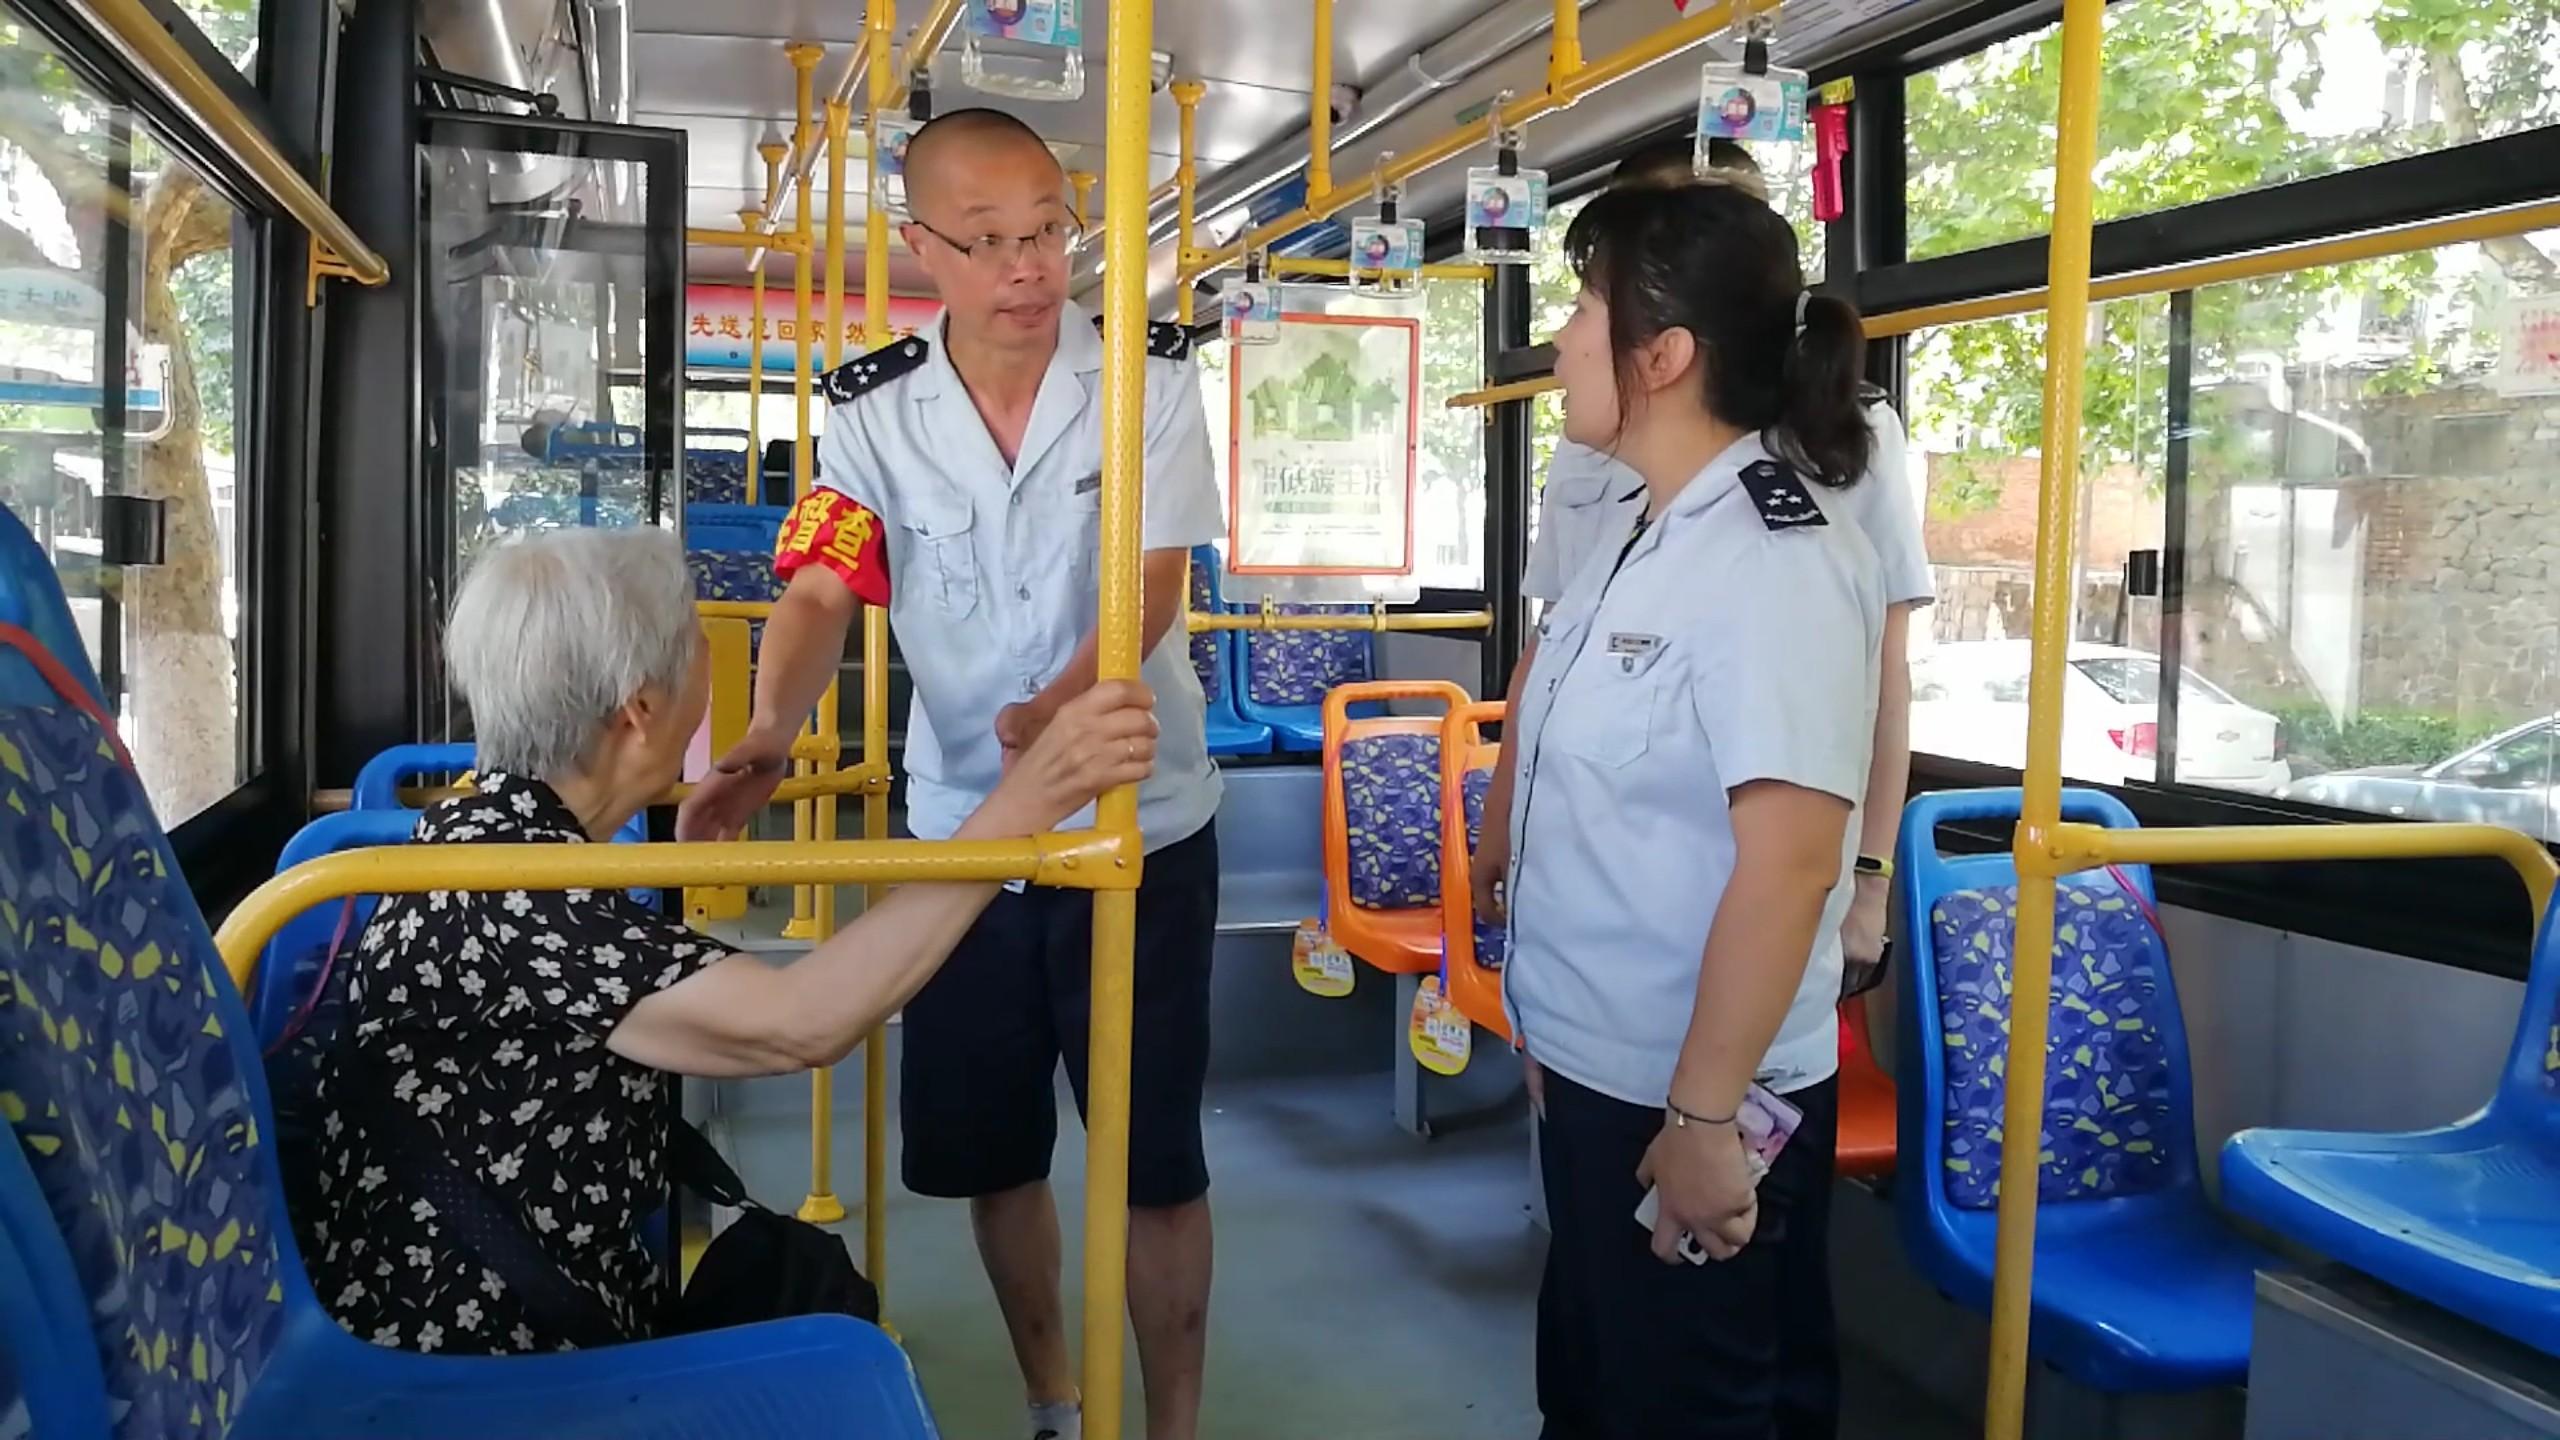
544, 1220
522, 1337
525, 1112
472, 984
581, 1233
430, 1335
373, 1178
467, 1315
510, 1052
387, 1336
507, 1167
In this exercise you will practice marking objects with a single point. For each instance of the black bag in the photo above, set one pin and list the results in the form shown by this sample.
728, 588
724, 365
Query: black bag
766, 1265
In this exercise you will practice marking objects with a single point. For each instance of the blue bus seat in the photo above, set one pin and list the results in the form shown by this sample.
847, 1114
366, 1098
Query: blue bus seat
729, 550
160, 1245
378, 785
1287, 673
2460, 1216
290, 965
2139, 1284
1382, 830
1213, 655
715, 476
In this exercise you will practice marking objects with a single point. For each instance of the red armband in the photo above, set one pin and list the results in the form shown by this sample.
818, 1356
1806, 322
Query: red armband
830, 529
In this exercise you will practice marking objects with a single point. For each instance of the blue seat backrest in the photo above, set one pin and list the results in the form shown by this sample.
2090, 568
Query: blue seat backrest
1297, 667
745, 575
2108, 1109
290, 966
715, 477
378, 785
125, 1070
1391, 818
1490, 936
49, 1380
1205, 644
2118, 1114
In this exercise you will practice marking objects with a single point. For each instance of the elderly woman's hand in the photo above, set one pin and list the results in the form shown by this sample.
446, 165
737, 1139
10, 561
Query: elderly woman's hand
1104, 738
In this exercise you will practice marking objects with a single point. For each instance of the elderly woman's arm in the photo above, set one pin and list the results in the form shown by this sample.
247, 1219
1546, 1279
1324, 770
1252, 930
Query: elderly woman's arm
741, 1016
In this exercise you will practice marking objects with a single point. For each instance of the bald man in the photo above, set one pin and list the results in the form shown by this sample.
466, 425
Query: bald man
960, 484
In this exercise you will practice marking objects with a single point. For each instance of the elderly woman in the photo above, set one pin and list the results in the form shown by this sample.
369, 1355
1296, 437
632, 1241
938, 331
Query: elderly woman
507, 1072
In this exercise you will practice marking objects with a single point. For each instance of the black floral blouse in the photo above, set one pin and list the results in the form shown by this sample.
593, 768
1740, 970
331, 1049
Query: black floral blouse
486, 1015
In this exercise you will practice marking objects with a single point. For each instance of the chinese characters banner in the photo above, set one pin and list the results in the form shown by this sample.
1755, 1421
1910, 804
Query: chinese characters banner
1323, 431
719, 318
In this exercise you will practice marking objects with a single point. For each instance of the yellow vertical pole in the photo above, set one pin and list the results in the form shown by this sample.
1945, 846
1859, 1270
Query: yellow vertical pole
879, 24
1320, 107
1187, 95
804, 818
823, 1207
1564, 46
2031, 957
1115, 912
749, 220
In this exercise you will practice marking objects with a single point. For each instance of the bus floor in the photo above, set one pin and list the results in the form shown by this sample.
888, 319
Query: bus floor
1370, 1285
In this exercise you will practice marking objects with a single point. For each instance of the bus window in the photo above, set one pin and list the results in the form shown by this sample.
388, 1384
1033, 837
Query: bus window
149, 307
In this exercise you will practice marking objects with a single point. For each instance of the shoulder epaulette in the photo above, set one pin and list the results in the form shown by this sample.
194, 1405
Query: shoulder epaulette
1870, 395
1781, 496
865, 373
1165, 340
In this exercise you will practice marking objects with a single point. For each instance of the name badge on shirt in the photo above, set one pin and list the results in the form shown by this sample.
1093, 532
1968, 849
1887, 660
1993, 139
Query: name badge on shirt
1089, 484
1636, 653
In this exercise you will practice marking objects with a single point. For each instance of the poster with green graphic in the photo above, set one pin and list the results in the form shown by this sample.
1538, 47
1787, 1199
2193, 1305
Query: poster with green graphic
1323, 447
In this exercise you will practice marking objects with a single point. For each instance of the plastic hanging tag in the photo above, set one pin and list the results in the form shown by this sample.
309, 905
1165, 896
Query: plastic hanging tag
889, 165
1252, 311
1734, 104
1441, 1038
1025, 49
1504, 212
1320, 966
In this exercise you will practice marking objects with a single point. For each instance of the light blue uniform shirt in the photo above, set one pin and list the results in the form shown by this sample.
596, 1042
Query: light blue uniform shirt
1721, 652
993, 569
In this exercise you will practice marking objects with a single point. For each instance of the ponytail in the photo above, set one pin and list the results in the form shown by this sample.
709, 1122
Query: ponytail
1822, 426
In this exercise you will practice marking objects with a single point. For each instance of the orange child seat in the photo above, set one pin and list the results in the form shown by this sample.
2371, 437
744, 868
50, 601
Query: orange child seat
1382, 831
1475, 949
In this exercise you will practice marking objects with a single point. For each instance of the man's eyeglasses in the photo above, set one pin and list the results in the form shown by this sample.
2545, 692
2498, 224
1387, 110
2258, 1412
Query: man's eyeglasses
996, 252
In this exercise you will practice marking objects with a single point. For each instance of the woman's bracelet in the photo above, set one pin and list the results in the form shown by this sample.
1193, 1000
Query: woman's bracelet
1686, 1118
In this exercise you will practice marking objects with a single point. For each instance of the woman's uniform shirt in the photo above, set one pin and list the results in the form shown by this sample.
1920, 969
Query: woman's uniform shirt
1591, 500
1736, 641
484, 1016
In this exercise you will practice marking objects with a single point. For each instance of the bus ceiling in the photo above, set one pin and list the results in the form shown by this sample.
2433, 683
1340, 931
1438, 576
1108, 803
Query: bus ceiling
1406, 75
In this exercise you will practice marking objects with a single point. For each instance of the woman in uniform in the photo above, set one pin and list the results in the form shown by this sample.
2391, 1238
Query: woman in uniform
1694, 738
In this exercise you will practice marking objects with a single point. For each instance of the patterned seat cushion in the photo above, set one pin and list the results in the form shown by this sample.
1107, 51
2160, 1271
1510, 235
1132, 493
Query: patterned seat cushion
1204, 644
715, 477
2108, 1115
1490, 937
125, 1088
1297, 667
733, 575
1391, 807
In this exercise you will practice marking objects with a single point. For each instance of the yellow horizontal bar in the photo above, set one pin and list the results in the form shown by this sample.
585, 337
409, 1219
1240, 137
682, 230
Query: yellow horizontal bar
748, 240
734, 609
1372, 621
2256, 265
1685, 33
131, 27
853, 780
1497, 394
2077, 846
1310, 265
1078, 859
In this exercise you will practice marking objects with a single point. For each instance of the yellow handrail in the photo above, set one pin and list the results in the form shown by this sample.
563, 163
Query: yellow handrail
1314, 265
879, 26
2057, 542
152, 49
743, 239
2078, 847
2168, 279
1199, 621
1187, 95
1564, 89
922, 45
1127, 68
1071, 859
858, 780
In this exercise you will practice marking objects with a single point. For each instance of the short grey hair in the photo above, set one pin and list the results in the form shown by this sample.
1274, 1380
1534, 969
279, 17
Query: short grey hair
555, 632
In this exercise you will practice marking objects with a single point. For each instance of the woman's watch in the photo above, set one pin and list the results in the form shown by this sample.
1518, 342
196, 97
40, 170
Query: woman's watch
1875, 865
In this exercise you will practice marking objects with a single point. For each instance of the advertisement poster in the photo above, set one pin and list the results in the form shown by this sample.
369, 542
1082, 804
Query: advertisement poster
2528, 330
1323, 425
718, 318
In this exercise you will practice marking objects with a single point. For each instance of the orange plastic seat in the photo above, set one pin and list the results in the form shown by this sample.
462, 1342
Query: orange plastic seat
1382, 825
1866, 1147
1466, 773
